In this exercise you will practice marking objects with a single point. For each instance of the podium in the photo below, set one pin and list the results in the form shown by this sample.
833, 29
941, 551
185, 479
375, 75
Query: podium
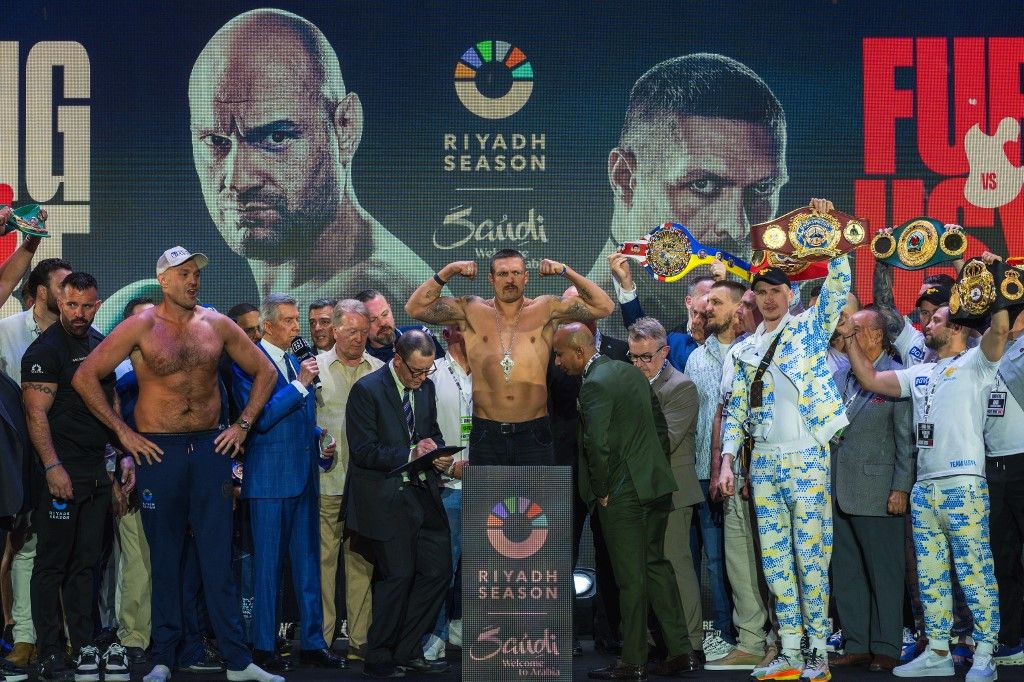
517, 584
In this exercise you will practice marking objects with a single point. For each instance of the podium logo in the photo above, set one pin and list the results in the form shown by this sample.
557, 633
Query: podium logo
493, 79
517, 528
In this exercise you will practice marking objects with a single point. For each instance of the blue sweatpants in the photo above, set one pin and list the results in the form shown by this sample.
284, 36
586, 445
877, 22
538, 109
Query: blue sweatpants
190, 487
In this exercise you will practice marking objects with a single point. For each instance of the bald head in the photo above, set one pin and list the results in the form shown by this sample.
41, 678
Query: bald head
266, 52
573, 347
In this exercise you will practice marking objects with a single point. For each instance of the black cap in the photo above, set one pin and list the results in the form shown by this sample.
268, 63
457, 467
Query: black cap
774, 276
936, 294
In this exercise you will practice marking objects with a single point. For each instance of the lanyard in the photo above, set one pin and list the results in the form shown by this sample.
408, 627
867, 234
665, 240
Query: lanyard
933, 383
458, 385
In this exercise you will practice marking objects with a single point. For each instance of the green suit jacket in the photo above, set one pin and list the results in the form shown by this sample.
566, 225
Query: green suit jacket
623, 439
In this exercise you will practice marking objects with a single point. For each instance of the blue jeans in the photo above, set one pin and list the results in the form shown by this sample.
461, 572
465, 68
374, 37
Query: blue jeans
707, 532
451, 498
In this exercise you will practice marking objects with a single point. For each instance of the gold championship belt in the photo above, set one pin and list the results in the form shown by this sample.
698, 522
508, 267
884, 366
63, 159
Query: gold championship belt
809, 235
919, 243
669, 252
981, 290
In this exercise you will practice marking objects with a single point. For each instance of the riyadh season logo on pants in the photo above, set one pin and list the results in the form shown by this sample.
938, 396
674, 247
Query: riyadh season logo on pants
59, 510
517, 527
147, 499
493, 79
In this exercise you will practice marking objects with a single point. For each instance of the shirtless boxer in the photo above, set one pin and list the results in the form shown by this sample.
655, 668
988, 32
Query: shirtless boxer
183, 450
508, 342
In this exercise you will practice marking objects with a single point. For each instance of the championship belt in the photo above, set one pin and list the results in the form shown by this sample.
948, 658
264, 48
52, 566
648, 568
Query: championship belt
29, 219
981, 290
796, 270
919, 243
669, 252
809, 235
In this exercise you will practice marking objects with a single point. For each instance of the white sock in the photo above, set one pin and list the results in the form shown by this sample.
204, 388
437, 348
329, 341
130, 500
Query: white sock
253, 672
159, 673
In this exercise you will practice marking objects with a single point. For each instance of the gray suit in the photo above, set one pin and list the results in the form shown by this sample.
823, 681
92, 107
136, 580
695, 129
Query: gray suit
875, 456
679, 402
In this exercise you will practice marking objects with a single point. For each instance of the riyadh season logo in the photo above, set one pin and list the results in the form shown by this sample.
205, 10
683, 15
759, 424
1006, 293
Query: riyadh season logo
493, 79
517, 527
147, 499
59, 510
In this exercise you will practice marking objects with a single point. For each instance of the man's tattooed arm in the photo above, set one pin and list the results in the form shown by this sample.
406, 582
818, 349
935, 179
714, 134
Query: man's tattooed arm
881, 290
43, 388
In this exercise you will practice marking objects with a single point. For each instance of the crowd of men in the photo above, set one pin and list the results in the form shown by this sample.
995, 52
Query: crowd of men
769, 448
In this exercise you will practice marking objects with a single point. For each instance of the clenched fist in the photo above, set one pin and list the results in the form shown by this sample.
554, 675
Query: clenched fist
552, 267
464, 268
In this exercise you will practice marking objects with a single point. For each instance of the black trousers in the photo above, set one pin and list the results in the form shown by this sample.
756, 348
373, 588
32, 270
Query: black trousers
69, 543
1006, 522
412, 573
522, 443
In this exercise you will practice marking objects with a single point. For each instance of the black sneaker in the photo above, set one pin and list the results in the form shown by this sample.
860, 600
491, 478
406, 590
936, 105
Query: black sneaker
210, 662
115, 664
54, 668
11, 673
87, 665
136, 655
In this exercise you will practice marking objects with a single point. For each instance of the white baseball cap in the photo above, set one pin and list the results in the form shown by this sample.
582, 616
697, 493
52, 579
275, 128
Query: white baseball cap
175, 256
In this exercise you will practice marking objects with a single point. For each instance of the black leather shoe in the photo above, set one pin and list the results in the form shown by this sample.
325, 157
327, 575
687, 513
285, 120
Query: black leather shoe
423, 666
136, 655
271, 662
382, 671
636, 673
321, 658
683, 663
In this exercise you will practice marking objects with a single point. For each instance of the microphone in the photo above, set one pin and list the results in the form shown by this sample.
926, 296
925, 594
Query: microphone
303, 351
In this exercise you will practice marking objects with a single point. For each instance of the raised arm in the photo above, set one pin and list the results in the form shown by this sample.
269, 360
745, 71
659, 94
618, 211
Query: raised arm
834, 293
993, 341
625, 289
883, 297
428, 305
883, 383
591, 304
15, 266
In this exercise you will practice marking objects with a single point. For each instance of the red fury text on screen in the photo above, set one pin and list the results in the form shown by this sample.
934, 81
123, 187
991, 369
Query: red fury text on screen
937, 90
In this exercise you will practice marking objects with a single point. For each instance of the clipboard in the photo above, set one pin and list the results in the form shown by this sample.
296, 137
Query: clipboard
422, 463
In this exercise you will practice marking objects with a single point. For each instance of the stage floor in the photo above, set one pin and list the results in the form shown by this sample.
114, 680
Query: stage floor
588, 661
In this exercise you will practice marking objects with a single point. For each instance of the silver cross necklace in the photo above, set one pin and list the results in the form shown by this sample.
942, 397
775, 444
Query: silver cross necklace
507, 363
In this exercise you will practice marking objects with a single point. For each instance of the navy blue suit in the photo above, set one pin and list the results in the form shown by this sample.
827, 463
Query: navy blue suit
405, 522
281, 483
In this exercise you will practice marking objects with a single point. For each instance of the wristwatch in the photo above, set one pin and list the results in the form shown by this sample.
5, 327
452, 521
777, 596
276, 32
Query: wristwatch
244, 424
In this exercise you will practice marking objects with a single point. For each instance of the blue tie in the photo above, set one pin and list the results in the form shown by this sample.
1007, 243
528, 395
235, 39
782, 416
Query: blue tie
410, 420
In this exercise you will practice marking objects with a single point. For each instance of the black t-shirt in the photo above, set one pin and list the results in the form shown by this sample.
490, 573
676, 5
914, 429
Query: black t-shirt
78, 437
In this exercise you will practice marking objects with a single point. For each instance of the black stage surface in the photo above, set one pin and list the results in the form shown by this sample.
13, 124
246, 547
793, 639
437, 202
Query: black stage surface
588, 661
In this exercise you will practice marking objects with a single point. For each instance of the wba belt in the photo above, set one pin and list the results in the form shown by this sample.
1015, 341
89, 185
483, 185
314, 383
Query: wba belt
919, 243
669, 252
809, 235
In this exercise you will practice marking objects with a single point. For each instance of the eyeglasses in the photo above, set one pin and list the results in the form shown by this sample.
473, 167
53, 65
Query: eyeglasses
417, 373
644, 357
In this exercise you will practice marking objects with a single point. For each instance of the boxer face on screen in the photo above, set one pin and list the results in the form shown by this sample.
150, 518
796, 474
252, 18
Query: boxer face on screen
273, 133
716, 176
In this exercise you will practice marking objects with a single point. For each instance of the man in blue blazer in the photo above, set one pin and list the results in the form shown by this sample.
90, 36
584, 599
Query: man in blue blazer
390, 419
281, 484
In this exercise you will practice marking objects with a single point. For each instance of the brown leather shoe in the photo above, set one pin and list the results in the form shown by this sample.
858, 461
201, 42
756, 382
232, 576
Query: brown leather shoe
882, 664
849, 660
683, 663
618, 671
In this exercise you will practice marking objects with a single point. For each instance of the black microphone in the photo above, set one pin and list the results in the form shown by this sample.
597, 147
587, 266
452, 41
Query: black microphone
303, 351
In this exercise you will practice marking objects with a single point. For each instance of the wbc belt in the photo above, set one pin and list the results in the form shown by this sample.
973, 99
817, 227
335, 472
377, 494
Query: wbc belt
29, 219
669, 252
809, 235
919, 243
981, 290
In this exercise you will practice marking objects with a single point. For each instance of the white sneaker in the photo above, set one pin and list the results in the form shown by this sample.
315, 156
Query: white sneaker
455, 632
927, 664
434, 649
715, 647
983, 669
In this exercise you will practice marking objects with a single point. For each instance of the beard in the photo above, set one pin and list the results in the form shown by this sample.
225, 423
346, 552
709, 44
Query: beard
935, 342
292, 231
713, 328
385, 337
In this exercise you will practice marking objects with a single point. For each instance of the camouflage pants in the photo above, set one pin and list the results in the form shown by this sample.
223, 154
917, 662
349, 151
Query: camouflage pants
953, 515
793, 500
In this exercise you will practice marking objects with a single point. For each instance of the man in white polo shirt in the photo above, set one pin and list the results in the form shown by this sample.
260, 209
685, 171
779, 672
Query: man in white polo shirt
950, 500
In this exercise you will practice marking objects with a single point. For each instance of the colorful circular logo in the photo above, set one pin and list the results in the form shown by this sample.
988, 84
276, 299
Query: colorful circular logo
517, 527
493, 79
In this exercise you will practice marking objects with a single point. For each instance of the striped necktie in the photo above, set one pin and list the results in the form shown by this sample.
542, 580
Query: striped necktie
410, 420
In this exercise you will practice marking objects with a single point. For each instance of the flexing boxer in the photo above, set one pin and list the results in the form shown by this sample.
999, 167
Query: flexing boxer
183, 450
508, 342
